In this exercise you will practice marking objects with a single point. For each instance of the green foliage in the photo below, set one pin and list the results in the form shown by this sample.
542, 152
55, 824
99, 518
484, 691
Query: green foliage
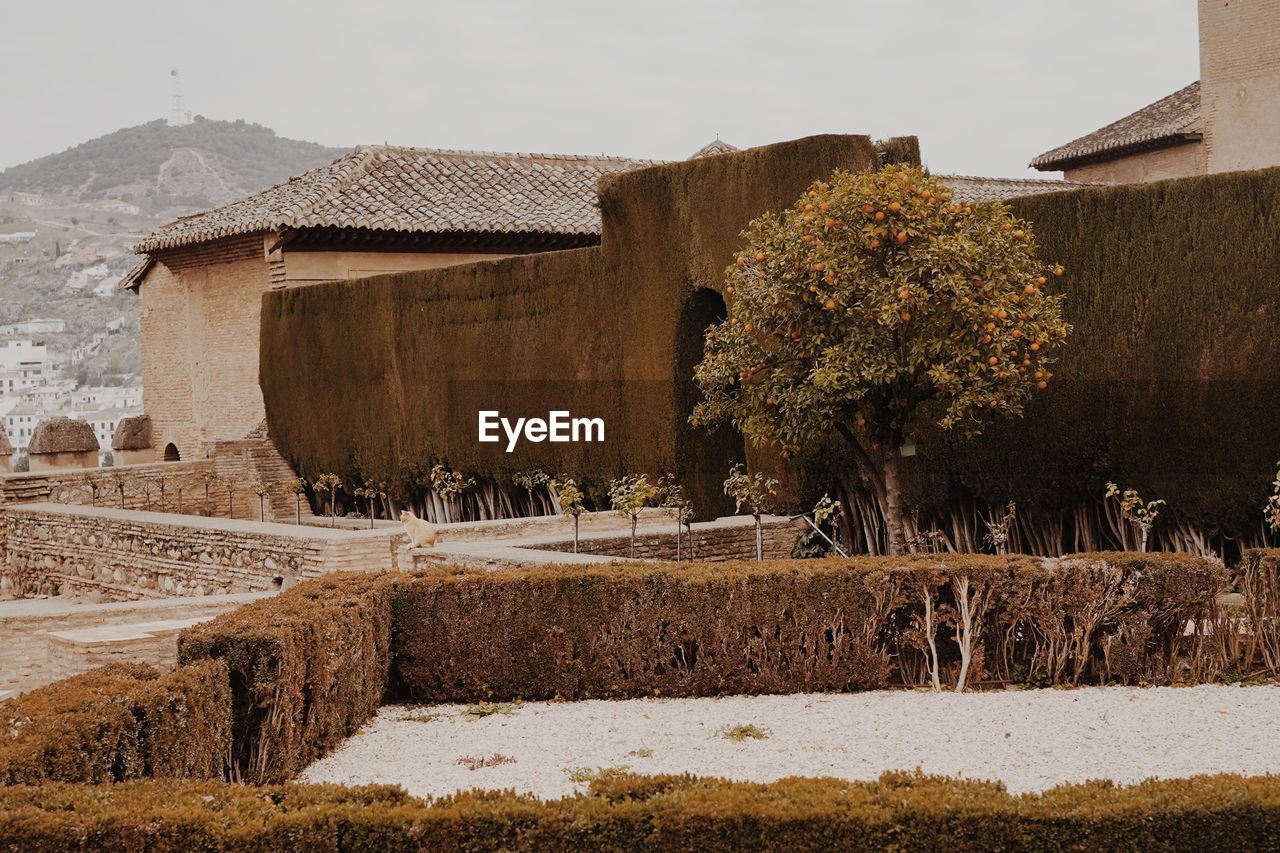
754, 491
623, 811
1271, 509
569, 496
871, 295
629, 495
599, 330
449, 484
1171, 383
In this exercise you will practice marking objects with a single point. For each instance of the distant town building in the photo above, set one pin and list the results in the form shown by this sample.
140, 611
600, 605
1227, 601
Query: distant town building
115, 205
1225, 121
15, 237
39, 326
29, 199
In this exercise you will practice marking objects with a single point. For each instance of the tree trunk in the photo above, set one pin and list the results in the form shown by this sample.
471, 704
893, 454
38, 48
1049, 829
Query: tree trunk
892, 498
575, 533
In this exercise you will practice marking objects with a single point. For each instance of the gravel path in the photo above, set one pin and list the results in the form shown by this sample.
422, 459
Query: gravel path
1029, 739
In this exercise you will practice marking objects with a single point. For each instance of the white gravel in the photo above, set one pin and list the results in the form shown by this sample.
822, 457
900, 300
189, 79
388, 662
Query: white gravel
1029, 739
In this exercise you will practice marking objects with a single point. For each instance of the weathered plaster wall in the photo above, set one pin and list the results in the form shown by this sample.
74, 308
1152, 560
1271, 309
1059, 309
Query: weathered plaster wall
123, 555
1178, 162
302, 268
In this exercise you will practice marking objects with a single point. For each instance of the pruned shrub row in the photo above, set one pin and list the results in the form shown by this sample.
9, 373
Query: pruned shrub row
792, 626
898, 812
306, 669
119, 722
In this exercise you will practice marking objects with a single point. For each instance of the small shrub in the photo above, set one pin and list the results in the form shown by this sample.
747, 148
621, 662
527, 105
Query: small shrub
473, 763
488, 709
741, 732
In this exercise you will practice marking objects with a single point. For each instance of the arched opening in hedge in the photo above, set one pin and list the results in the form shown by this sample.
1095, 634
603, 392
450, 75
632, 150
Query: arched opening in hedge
704, 457
171, 453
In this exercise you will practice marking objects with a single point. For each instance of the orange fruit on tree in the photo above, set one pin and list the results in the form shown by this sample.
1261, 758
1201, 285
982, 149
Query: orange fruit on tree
1041, 280
741, 262
868, 209
1058, 270
1029, 290
830, 305
824, 207
874, 244
879, 216
729, 289
904, 295
906, 316
1035, 346
759, 256
993, 361
1042, 385
817, 267
1002, 314
902, 237
813, 288
894, 207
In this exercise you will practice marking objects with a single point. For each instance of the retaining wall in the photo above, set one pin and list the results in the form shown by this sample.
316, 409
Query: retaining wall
124, 555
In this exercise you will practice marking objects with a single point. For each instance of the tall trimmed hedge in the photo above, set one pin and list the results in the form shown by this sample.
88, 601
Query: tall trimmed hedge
307, 668
1171, 380
383, 377
900, 811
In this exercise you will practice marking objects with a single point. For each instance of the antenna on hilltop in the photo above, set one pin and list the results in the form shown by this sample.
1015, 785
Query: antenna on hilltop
178, 114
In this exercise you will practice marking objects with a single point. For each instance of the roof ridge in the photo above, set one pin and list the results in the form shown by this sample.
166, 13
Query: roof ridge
1055, 181
521, 155
360, 159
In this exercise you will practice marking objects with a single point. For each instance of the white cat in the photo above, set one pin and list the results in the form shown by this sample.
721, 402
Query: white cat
422, 533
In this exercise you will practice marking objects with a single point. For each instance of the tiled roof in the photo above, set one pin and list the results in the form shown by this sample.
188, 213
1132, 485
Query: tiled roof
1168, 121
715, 146
971, 188
415, 190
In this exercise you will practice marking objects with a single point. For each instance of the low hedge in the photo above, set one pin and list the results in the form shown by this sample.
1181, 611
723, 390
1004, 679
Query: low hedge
119, 722
789, 626
897, 812
307, 667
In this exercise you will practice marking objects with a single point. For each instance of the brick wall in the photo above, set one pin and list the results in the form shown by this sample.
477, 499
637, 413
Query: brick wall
1240, 83
1181, 161
125, 555
199, 313
712, 542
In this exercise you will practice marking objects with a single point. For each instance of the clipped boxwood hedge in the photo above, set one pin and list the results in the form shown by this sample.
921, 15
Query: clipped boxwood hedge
898, 812
306, 668
792, 626
124, 721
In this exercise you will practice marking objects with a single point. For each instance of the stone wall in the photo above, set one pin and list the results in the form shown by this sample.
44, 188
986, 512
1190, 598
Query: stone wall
124, 555
712, 542
40, 643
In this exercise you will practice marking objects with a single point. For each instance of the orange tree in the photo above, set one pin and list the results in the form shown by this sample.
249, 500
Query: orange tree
875, 295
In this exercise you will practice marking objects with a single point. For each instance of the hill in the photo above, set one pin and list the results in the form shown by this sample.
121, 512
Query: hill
159, 167
64, 246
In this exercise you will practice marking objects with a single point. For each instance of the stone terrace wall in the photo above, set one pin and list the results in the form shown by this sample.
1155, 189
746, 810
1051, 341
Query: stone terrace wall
184, 491
123, 555
713, 542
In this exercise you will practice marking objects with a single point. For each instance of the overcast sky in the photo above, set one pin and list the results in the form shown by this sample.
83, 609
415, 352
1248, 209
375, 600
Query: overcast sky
985, 85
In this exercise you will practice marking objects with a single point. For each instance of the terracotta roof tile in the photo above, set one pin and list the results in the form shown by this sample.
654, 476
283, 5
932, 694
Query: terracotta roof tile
971, 188
1168, 121
416, 190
